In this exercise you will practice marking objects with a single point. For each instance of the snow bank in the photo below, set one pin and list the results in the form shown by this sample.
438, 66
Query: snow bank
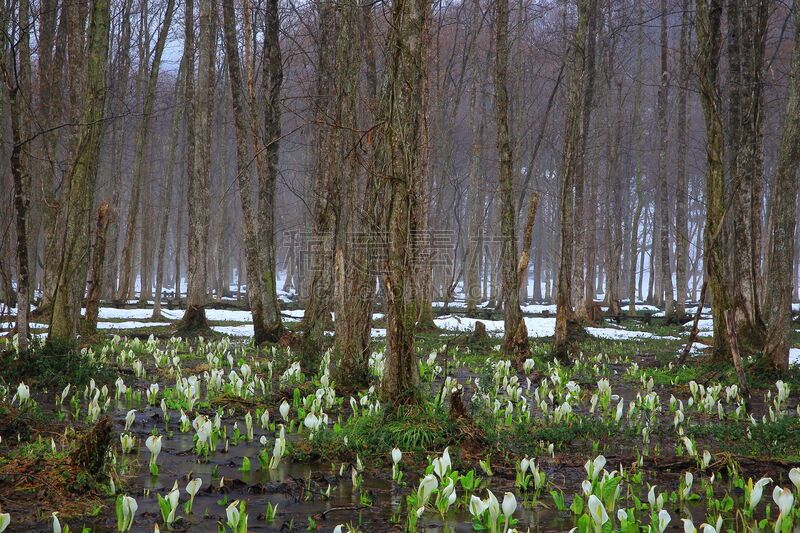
131, 325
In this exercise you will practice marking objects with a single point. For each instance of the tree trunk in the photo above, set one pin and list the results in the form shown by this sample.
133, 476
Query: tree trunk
325, 189
272, 80
783, 220
709, 14
566, 321
681, 181
475, 197
126, 266
510, 279
747, 173
663, 186
243, 172
354, 263
72, 264
18, 84
587, 45
398, 161
200, 106
96, 272
169, 179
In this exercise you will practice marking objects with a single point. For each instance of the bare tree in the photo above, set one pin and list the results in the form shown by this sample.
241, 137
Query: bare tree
201, 106
515, 340
662, 186
681, 181
709, 15
73, 262
780, 253
138, 173
398, 161
17, 77
567, 326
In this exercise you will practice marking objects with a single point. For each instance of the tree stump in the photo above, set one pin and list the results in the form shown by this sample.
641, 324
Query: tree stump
90, 455
457, 408
479, 333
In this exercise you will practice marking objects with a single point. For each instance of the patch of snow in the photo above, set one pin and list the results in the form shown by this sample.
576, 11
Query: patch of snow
623, 334
106, 313
538, 308
244, 330
794, 356
131, 325
704, 325
537, 326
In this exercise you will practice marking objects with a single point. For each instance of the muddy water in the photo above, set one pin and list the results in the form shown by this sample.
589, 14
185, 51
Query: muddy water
296, 489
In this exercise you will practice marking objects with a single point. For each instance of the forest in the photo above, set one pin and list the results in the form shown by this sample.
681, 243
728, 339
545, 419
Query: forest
399, 266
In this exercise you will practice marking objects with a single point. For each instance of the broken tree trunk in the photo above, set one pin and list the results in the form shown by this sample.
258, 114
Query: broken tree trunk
96, 269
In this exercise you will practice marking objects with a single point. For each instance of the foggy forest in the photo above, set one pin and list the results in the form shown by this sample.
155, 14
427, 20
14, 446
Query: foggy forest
399, 266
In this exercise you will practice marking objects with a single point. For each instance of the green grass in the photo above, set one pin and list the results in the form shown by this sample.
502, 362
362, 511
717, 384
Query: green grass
52, 363
413, 429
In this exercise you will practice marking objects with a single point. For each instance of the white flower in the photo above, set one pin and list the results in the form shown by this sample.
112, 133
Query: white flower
23, 393
56, 523
509, 504
594, 467
426, 488
441, 465
622, 515
338, 529
5, 519
232, 512
284, 410
493, 506
688, 479
312, 422
598, 511
194, 486
130, 418
656, 503
794, 476
784, 499
173, 498
129, 508
449, 493
663, 520
477, 506
688, 526
758, 489
153, 444
690, 449
397, 455
706, 458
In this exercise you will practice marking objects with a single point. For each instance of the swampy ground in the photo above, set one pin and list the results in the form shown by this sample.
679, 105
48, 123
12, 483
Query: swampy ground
313, 486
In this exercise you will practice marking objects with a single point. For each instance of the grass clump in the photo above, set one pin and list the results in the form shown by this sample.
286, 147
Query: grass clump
52, 364
410, 428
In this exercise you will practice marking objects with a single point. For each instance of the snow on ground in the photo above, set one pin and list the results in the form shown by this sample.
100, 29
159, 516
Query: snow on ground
106, 313
624, 334
794, 356
244, 330
540, 327
131, 325
215, 315
537, 326
535, 309
704, 325
12, 311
